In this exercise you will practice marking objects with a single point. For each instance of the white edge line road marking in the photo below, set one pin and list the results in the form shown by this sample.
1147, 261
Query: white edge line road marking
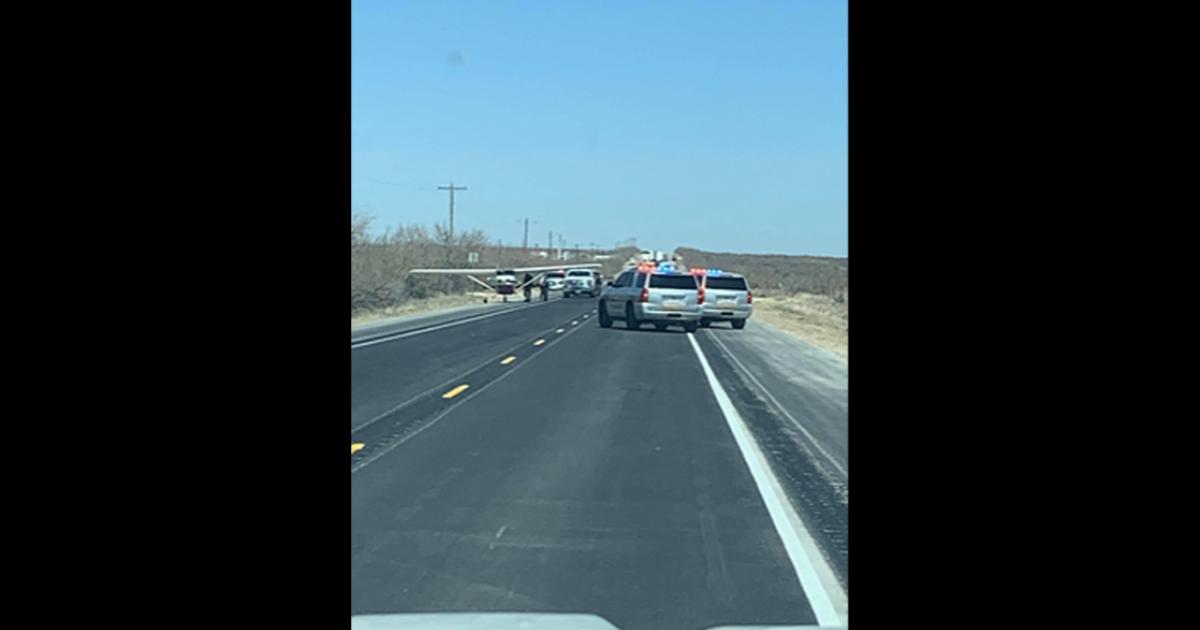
796, 422
787, 523
363, 463
434, 389
413, 333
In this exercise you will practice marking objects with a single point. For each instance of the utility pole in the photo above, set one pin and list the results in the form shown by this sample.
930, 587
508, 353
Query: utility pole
451, 188
525, 243
550, 244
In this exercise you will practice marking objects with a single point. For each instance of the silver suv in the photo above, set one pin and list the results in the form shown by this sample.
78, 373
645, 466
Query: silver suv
727, 297
645, 294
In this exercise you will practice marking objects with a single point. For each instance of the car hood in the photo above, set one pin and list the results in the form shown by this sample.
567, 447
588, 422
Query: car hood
480, 621
503, 621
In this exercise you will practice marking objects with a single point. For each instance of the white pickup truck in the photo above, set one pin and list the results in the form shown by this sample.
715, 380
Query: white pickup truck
580, 281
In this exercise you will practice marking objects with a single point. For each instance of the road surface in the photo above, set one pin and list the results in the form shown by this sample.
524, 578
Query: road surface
523, 459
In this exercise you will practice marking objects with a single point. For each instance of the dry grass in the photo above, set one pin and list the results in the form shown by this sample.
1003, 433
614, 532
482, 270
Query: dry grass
815, 319
779, 274
414, 306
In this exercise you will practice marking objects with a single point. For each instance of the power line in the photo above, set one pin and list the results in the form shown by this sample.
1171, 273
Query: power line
380, 181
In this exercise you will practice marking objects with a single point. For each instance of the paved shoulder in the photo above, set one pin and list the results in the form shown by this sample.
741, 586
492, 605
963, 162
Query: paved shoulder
809, 383
794, 399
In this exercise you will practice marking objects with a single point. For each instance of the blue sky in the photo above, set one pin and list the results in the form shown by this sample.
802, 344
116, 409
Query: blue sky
713, 124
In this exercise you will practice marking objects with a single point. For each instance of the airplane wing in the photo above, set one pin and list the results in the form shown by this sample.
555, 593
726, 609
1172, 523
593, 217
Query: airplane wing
490, 271
565, 265
493, 270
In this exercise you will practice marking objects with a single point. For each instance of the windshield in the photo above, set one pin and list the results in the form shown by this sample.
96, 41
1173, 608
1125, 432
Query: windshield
629, 446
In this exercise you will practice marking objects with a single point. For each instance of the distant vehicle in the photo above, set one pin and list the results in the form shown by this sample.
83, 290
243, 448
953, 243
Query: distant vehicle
556, 280
504, 281
579, 281
653, 256
727, 297
659, 295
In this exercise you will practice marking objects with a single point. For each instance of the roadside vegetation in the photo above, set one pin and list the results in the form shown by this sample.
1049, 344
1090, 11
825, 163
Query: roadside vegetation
808, 296
380, 285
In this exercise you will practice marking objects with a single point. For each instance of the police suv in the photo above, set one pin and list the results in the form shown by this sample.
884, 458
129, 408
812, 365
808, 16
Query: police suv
727, 297
649, 294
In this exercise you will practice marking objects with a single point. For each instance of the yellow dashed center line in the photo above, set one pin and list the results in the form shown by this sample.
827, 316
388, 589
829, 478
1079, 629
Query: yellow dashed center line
508, 360
559, 330
574, 322
539, 342
356, 447
456, 391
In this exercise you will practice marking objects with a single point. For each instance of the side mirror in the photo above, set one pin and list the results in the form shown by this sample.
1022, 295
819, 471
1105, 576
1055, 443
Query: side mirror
608, 284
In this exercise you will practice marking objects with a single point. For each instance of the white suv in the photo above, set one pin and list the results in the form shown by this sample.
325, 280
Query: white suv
580, 281
727, 297
646, 294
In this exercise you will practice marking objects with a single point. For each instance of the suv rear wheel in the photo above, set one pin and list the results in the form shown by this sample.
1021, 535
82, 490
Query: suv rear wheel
738, 323
605, 320
691, 326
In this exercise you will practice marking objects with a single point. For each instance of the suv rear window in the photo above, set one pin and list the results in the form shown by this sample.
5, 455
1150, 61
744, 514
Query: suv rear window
660, 281
579, 273
554, 274
732, 284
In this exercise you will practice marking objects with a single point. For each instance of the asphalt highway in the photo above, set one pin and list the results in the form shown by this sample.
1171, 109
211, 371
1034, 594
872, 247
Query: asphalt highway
519, 458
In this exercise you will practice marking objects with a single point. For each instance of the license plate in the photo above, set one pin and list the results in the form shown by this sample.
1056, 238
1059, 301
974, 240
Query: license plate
726, 303
672, 305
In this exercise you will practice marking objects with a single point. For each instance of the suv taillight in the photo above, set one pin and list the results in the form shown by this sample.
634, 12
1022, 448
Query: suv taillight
645, 295
749, 297
700, 295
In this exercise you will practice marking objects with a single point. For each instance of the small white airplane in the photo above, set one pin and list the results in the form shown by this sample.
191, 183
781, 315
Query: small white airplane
505, 280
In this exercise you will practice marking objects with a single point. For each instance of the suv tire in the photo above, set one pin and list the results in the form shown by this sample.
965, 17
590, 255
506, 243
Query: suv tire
605, 320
